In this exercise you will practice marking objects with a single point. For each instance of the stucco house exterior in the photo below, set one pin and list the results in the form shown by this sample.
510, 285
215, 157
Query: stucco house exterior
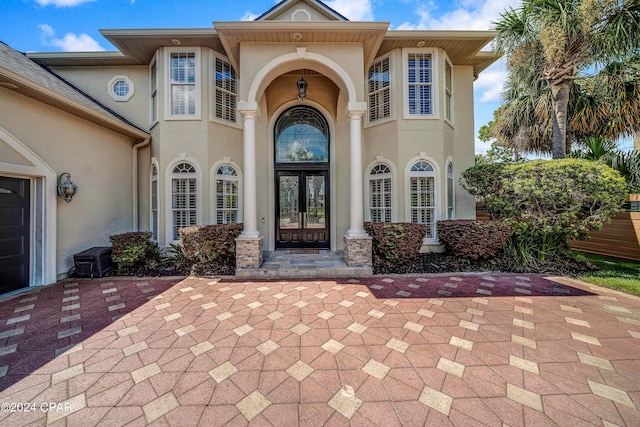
301, 125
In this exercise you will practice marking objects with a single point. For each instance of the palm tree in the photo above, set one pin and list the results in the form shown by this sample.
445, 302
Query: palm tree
551, 45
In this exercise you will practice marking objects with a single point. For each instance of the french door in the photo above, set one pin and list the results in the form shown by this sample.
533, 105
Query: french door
302, 216
14, 233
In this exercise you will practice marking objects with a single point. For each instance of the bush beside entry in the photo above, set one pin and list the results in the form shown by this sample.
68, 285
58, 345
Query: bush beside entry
547, 203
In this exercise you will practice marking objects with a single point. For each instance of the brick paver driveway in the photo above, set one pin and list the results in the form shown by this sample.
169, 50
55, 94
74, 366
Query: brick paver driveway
438, 350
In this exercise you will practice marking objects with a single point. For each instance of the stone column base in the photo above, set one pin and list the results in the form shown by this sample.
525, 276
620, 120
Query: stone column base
249, 252
358, 251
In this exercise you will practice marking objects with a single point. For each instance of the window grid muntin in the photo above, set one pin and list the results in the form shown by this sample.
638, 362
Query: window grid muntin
227, 195
121, 88
380, 90
448, 108
154, 202
420, 81
154, 92
380, 193
450, 192
183, 83
226, 90
184, 197
422, 196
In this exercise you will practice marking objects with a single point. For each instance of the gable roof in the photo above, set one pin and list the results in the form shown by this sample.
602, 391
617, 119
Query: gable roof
21, 74
286, 5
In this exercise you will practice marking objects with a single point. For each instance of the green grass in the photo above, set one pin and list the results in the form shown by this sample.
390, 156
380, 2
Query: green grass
614, 273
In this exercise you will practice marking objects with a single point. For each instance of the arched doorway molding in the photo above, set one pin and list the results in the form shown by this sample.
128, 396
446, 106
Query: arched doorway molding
43, 209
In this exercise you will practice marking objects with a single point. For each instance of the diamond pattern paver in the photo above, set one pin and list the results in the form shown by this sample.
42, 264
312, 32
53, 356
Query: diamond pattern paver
323, 352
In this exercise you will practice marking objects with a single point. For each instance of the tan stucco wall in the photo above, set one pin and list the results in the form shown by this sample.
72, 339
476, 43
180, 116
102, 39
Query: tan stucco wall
100, 164
95, 81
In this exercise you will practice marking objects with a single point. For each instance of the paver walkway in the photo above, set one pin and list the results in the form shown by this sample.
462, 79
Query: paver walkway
438, 350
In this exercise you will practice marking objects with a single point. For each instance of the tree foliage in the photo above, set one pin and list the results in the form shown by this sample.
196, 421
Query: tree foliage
574, 71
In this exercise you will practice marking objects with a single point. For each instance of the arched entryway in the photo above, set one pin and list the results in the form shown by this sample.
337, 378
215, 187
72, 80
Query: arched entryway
301, 165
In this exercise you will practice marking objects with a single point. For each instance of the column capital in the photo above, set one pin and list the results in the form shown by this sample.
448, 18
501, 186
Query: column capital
355, 109
249, 109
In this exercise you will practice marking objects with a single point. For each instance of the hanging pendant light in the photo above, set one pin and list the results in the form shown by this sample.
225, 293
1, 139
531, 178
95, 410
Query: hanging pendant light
302, 87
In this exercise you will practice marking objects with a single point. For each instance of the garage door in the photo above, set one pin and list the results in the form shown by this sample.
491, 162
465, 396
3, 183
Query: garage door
14, 234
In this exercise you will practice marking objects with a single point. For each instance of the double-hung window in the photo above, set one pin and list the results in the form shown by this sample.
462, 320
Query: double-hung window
420, 83
183, 197
154, 201
451, 214
448, 91
227, 195
422, 196
153, 77
226, 90
379, 90
184, 84
380, 193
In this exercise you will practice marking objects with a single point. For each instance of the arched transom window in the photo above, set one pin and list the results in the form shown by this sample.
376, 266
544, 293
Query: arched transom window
422, 195
227, 195
380, 193
183, 197
302, 136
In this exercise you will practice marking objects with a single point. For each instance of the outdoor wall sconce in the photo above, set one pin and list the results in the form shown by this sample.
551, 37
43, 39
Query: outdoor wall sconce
302, 88
66, 189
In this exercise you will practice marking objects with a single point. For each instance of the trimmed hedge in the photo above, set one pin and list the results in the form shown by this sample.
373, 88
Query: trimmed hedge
211, 244
396, 245
131, 250
473, 240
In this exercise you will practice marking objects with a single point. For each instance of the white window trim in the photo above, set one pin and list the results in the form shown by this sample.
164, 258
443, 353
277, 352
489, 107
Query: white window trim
112, 92
154, 162
212, 93
154, 91
168, 188
437, 197
394, 187
214, 177
392, 99
167, 83
435, 84
453, 189
444, 91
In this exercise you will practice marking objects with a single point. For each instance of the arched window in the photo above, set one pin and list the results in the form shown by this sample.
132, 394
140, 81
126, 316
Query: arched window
227, 195
422, 195
380, 193
183, 196
154, 202
302, 136
451, 213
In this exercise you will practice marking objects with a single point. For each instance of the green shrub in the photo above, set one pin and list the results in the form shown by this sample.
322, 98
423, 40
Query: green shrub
210, 244
473, 240
395, 245
131, 250
547, 203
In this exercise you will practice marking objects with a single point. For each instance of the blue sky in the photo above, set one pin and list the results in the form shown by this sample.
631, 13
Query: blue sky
73, 25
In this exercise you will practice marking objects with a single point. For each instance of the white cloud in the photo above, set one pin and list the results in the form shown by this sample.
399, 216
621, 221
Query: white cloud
355, 10
62, 3
70, 42
249, 16
482, 146
472, 15
77, 43
491, 81
47, 31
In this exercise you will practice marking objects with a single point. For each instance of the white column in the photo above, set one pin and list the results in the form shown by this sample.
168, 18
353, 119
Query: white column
249, 170
356, 223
